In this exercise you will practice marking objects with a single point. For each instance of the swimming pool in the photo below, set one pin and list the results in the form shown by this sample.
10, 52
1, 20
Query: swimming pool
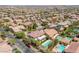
60, 48
47, 43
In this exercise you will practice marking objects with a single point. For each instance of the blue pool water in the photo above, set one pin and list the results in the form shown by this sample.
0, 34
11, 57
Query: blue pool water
60, 48
47, 43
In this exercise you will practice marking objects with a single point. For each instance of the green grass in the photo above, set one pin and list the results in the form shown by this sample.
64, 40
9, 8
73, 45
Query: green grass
16, 50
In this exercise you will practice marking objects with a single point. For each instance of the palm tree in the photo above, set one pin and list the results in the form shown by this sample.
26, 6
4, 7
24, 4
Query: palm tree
34, 25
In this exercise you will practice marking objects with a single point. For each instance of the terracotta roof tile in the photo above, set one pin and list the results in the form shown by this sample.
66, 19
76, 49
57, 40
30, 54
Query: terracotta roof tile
73, 47
5, 48
50, 32
36, 34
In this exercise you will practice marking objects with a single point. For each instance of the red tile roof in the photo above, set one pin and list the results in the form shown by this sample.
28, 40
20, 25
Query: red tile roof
75, 38
5, 48
51, 32
65, 40
73, 47
36, 34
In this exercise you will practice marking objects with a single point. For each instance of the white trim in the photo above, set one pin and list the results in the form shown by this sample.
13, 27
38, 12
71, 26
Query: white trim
67, 46
55, 36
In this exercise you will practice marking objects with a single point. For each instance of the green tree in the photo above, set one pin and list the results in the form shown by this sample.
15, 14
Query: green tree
16, 50
29, 28
34, 26
27, 41
55, 43
12, 41
38, 42
45, 24
20, 35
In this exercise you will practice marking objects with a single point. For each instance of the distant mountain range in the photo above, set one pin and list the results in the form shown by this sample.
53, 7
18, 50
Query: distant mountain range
40, 6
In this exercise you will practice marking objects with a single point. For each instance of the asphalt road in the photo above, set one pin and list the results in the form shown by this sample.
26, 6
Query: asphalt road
21, 46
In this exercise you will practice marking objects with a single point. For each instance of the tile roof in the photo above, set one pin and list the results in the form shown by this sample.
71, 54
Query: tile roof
50, 32
75, 38
5, 48
1, 40
36, 34
66, 40
27, 23
15, 29
73, 47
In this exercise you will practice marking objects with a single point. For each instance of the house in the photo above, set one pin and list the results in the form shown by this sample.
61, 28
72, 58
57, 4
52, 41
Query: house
72, 48
21, 27
8, 18
15, 29
36, 33
73, 16
51, 33
5, 48
12, 24
66, 26
65, 23
27, 24
1, 40
76, 38
44, 20
59, 27
18, 21
43, 37
51, 25
77, 16
66, 40
73, 20
58, 48
40, 27
54, 19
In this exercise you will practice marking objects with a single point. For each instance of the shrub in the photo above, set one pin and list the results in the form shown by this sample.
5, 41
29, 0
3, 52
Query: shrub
20, 35
12, 41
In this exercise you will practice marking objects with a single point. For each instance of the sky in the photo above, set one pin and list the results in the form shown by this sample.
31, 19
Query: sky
39, 2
